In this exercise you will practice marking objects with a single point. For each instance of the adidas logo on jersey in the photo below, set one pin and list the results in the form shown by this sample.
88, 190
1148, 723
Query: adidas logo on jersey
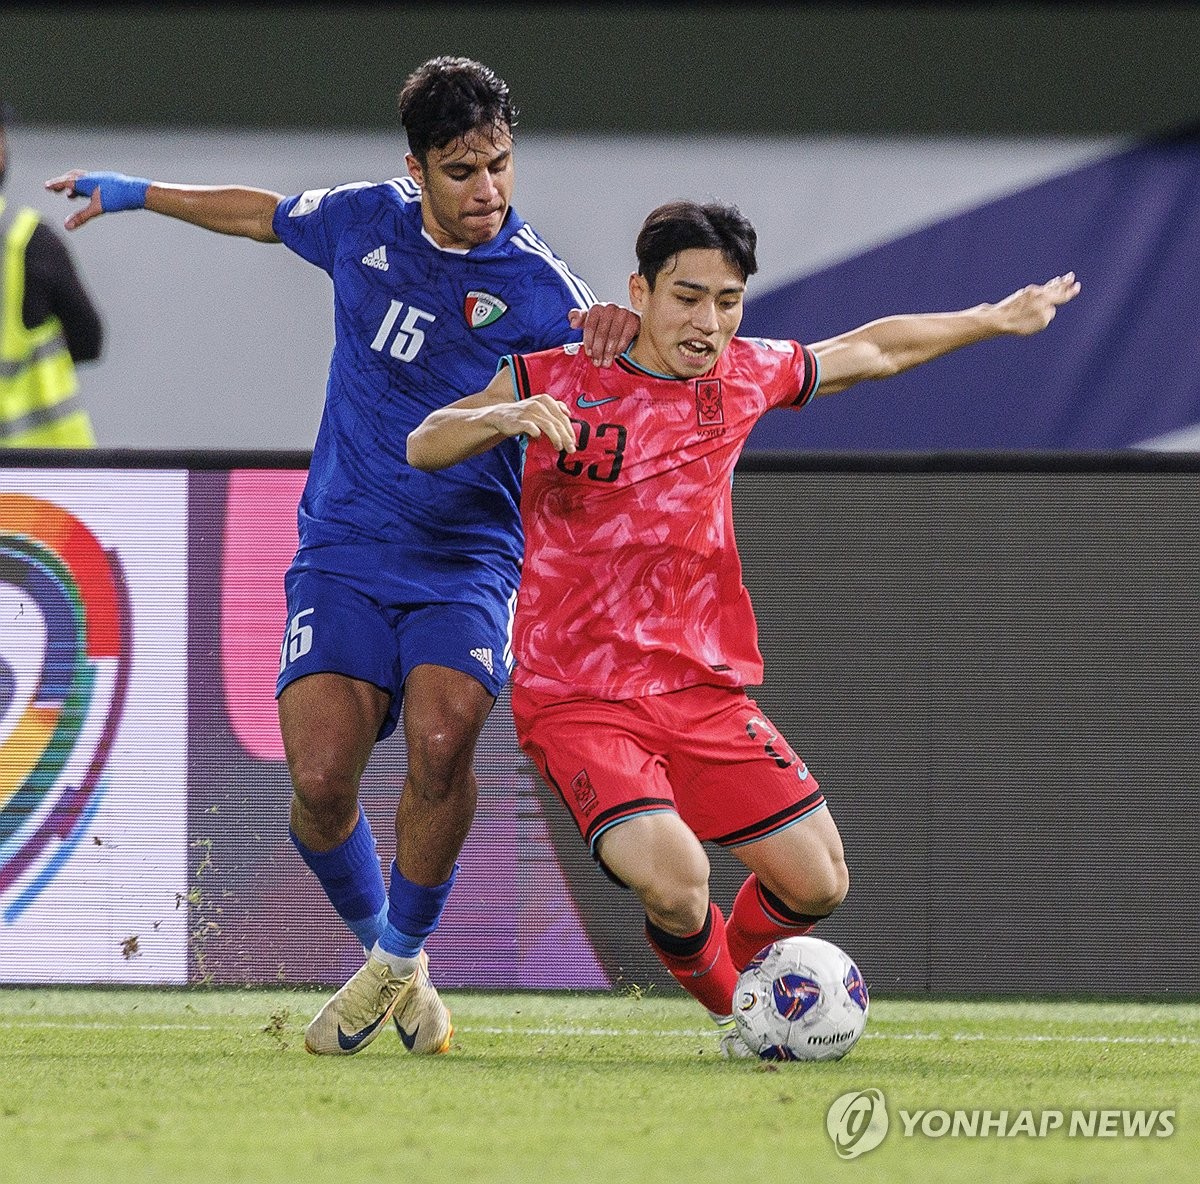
483, 656
377, 258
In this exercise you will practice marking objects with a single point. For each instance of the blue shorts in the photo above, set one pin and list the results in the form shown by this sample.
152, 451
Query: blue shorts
340, 624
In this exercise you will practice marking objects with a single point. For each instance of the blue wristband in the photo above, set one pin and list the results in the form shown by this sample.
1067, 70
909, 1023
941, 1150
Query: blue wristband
117, 191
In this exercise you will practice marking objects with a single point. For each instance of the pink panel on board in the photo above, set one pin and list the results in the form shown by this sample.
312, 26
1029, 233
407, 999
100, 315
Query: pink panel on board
260, 541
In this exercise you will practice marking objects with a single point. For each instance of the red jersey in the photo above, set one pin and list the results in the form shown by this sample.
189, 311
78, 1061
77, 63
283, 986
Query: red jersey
632, 583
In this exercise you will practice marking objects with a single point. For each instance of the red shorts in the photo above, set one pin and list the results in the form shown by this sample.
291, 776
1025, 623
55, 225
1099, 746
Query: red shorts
707, 753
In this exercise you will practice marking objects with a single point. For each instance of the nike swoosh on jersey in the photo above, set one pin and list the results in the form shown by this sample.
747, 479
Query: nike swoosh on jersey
350, 1043
584, 401
407, 1040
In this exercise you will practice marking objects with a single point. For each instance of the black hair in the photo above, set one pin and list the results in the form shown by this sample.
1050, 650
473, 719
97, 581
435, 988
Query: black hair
681, 225
447, 97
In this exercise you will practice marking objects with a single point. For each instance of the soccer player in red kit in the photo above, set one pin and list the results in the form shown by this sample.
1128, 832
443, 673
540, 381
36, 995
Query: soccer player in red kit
634, 636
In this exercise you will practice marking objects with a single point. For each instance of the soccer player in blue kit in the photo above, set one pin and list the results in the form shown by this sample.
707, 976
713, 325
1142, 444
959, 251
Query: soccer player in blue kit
400, 597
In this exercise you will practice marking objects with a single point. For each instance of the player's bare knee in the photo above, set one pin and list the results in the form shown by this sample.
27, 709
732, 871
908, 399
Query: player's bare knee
323, 789
829, 888
840, 886
440, 759
677, 908
441, 739
823, 903
676, 899
324, 806
817, 891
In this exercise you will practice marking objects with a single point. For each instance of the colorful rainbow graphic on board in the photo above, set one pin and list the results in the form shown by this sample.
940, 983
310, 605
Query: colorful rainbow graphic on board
64, 672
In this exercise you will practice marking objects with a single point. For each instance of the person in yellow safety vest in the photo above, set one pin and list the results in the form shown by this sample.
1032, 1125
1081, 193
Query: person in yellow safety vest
48, 323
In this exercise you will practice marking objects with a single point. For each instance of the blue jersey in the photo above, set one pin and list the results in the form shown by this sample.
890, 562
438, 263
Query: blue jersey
416, 327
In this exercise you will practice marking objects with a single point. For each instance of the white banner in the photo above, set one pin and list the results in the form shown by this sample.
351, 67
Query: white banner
93, 726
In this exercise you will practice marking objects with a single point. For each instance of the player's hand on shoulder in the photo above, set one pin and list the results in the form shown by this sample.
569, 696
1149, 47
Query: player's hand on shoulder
538, 417
1032, 308
607, 330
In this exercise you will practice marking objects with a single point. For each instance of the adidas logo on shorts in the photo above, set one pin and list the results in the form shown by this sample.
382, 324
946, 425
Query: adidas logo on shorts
377, 258
483, 656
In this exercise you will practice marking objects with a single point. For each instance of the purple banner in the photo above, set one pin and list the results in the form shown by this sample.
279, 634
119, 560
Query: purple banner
1108, 373
257, 913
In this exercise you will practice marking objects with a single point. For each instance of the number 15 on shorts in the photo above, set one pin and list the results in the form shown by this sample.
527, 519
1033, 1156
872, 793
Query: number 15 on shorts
297, 641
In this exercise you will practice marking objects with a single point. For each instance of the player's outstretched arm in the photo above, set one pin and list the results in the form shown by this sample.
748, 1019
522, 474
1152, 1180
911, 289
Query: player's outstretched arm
481, 421
226, 209
894, 344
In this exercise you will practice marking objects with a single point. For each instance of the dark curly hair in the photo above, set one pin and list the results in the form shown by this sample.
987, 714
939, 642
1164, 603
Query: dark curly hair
448, 97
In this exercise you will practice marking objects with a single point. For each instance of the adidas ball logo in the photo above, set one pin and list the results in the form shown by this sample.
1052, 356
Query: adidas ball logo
377, 258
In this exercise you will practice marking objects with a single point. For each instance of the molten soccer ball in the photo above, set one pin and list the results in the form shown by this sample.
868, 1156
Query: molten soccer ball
801, 999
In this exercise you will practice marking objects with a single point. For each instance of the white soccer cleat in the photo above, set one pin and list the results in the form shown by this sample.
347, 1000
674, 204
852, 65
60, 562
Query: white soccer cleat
358, 1012
733, 1047
421, 1018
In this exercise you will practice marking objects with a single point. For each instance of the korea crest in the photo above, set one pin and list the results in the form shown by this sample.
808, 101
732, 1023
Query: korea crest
482, 308
709, 412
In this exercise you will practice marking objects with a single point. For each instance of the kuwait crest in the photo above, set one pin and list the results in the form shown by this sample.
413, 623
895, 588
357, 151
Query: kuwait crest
482, 308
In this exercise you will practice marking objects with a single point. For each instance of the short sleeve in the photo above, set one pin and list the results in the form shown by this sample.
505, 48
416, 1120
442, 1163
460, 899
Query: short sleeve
554, 289
790, 372
556, 329
310, 223
519, 369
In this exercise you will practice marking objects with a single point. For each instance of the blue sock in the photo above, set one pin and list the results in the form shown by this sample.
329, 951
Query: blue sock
353, 881
413, 914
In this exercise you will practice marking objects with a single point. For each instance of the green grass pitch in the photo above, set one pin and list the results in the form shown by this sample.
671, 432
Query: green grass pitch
137, 1085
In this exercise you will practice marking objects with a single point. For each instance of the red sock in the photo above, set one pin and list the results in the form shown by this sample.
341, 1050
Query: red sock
700, 963
758, 918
